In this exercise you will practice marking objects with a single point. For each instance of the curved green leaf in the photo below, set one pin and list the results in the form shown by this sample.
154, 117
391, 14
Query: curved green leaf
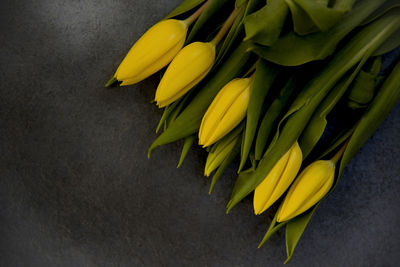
316, 127
184, 7
265, 25
386, 6
236, 30
189, 141
390, 44
271, 117
321, 13
295, 229
272, 229
315, 46
302, 22
264, 77
211, 10
224, 165
167, 111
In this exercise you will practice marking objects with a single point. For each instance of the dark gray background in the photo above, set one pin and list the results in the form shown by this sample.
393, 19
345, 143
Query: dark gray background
76, 188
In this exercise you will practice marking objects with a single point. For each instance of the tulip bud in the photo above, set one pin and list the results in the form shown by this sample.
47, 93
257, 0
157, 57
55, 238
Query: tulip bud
278, 179
219, 152
186, 70
153, 51
311, 186
226, 111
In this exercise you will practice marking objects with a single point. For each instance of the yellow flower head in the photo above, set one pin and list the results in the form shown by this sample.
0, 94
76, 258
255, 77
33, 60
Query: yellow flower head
278, 179
311, 186
153, 51
186, 70
226, 111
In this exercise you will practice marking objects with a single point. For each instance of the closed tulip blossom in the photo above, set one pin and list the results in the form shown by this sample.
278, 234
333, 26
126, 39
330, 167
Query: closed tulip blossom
278, 180
154, 50
226, 111
189, 67
311, 186
221, 150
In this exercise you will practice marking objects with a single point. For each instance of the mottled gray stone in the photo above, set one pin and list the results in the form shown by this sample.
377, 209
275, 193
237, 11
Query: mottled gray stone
76, 188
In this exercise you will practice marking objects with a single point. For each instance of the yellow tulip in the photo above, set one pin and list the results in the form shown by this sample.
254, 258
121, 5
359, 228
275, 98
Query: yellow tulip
311, 186
278, 179
153, 51
226, 111
186, 70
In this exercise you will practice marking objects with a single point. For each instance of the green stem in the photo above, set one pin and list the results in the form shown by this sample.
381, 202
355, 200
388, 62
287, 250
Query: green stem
227, 25
196, 14
340, 153
251, 70
112, 82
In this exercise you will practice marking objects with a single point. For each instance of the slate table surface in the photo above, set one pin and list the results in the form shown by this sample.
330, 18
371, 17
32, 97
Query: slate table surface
76, 187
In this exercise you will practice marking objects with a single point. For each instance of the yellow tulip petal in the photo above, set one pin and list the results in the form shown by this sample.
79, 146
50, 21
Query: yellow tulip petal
264, 190
158, 65
317, 196
221, 103
278, 180
153, 51
225, 112
233, 116
310, 187
188, 68
289, 174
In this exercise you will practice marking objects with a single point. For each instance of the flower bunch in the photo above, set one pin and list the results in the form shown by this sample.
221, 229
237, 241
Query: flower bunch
263, 83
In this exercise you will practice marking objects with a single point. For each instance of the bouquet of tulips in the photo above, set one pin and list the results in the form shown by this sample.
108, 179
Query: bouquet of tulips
290, 88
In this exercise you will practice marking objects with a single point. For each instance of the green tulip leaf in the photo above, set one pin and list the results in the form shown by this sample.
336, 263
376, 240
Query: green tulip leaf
167, 111
302, 22
362, 91
184, 7
224, 165
265, 75
390, 44
243, 176
377, 112
222, 149
315, 46
271, 117
189, 141
310, 15
368, 39
265, 25
295, 229
316, 127
273, 228
238, 3
211, 10
235, 31
188, 122
386, 6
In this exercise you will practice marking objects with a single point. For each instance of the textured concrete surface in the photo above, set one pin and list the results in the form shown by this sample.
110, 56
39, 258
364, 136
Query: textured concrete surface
76, 188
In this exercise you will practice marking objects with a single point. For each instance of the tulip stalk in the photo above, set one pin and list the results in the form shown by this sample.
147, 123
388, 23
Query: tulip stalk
227, 25
196, 14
